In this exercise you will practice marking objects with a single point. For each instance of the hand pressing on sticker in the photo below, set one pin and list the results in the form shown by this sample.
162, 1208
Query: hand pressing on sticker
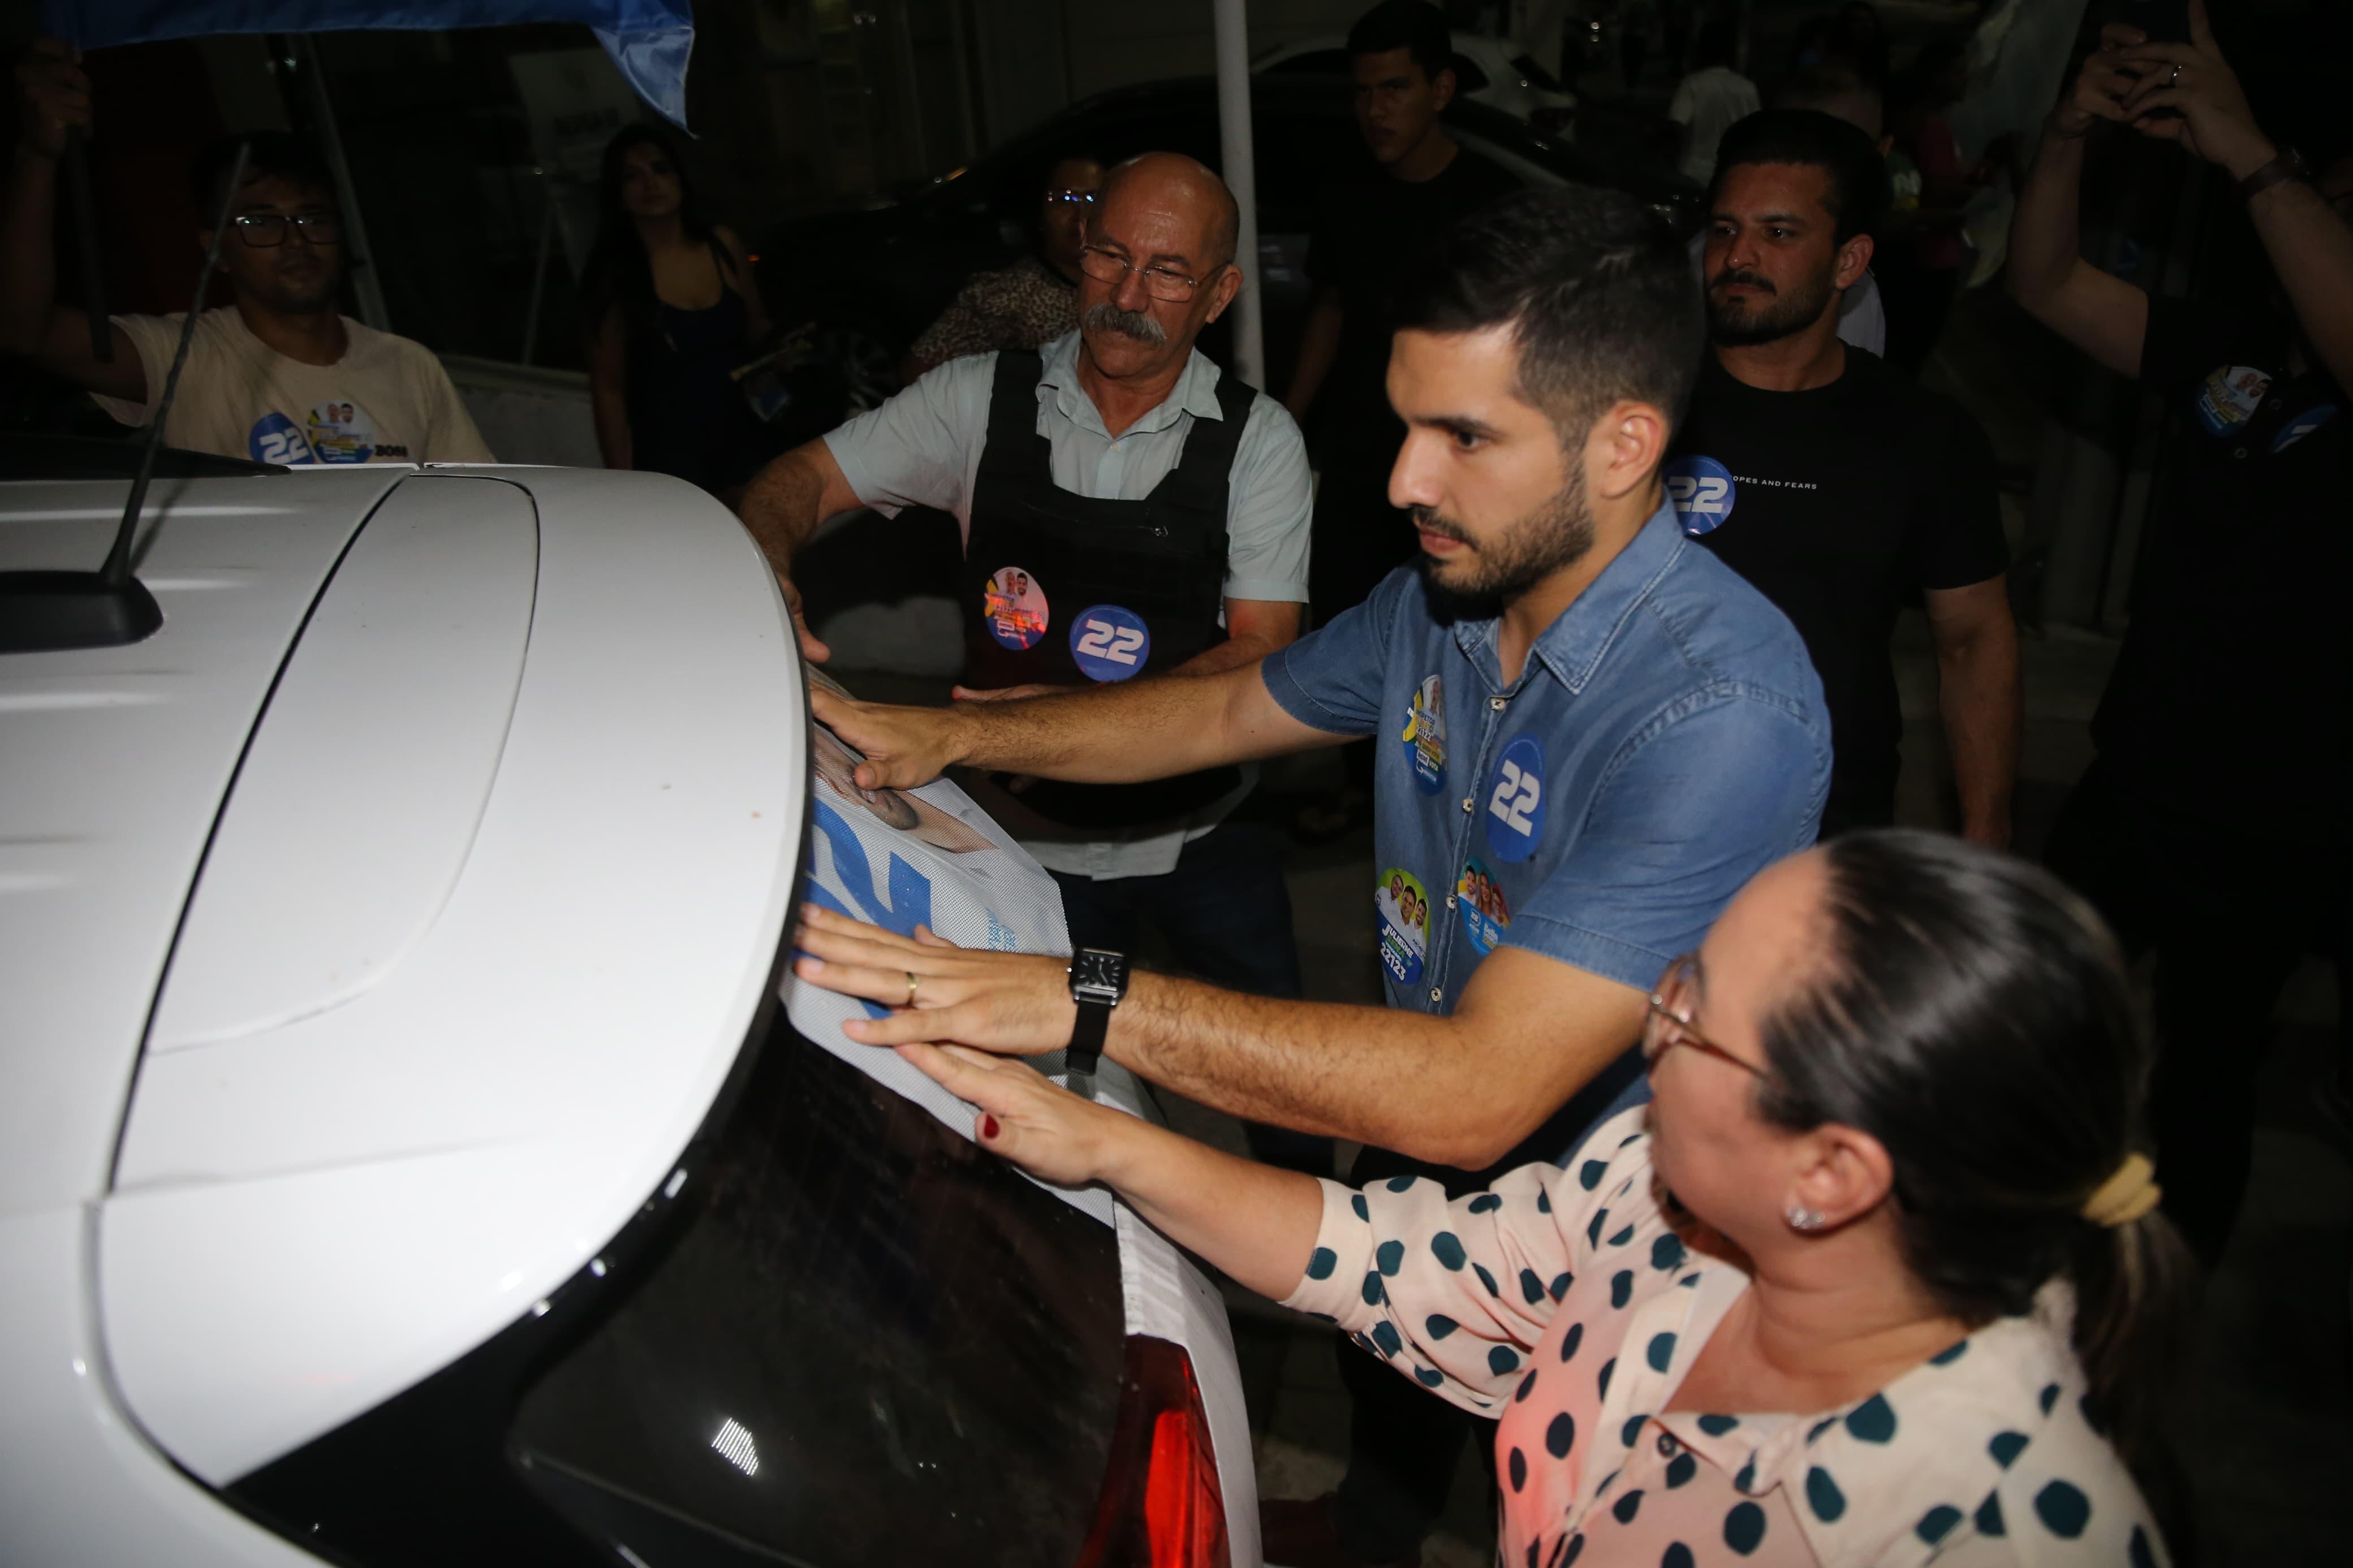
1254, 1222
1053, 1134
905, 748
1017, 1003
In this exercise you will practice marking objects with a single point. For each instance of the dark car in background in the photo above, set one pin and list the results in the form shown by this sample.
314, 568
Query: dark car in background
873, 278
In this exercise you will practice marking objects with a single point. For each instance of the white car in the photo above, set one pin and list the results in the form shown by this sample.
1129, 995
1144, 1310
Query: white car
1497, 71
405, 1155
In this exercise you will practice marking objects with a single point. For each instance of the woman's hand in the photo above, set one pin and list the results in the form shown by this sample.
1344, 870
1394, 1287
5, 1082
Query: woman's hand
2100, 88
2211, 117
1053, 1134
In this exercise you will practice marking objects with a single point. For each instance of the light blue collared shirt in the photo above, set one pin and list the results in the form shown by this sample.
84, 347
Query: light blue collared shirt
1665, 741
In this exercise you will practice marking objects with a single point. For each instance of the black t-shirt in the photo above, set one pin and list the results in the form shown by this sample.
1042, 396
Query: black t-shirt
2233, 697
1840, 504
1369, 227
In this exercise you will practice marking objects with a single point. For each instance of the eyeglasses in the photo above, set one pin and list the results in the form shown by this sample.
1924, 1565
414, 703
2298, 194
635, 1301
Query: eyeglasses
1668, 1023
262, 231
1158, 281
1073, 198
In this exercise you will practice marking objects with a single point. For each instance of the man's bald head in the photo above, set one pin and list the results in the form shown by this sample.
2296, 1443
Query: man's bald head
1185, 186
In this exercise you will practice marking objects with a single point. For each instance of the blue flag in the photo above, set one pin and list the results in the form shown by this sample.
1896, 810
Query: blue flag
649, 39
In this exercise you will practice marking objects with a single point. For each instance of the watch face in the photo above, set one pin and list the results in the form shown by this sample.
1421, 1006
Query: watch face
1097, 971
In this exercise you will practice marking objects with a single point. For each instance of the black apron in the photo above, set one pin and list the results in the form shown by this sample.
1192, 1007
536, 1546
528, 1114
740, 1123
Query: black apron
1067, 590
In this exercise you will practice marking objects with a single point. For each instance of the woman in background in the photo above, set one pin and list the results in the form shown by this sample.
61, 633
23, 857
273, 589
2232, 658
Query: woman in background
670, 307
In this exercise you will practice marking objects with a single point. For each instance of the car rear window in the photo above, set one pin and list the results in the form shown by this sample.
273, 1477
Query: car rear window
874, 1342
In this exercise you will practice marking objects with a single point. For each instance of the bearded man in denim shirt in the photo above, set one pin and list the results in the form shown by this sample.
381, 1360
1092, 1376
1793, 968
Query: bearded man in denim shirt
1592, 733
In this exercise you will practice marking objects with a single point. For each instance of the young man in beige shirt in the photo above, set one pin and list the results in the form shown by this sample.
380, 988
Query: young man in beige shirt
279, 375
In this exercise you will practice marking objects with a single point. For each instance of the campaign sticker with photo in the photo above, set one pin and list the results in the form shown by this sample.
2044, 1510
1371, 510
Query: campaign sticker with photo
2303, 425
1701, 488
1425, 736
1404, 910
1013, 607
1515, 800
274, 438
342, 433
2229, 397
1485, 913
1110, 643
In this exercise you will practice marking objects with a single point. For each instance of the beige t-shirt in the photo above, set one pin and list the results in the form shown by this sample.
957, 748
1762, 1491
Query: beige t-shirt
386, 400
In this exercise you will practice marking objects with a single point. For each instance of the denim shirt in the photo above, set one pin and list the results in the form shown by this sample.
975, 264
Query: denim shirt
1665, 741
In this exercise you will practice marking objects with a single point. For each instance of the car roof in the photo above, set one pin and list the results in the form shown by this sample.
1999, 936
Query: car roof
112, 765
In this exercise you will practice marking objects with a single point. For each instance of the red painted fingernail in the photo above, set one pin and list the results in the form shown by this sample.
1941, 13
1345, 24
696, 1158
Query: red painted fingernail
988, 1125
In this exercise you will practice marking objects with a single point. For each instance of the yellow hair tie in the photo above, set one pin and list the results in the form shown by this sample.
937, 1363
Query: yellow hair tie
2124, 1197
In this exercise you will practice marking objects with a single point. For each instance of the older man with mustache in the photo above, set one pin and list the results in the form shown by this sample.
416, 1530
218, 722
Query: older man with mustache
1127, 509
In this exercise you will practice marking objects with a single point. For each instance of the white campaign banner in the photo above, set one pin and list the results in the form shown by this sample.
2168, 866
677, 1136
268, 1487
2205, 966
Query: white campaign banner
928, 857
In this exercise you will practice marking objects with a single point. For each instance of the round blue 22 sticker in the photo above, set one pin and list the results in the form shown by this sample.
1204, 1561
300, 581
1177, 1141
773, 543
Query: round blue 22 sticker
1515, 800
1701, 488
1110, 643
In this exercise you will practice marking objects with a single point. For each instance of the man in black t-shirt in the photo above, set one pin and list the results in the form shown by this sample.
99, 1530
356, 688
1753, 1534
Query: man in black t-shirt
2212, 825
1833, 483
1374, 218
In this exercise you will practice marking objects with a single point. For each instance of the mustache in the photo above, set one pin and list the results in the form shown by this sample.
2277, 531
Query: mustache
1738, 275
1430, 520
1107, 317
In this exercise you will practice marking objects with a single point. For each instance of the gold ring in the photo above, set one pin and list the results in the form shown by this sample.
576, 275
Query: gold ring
911, 988
2174, 78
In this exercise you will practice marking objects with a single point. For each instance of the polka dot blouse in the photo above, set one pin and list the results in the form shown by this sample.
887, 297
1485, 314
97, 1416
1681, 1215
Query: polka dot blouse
1562, 1303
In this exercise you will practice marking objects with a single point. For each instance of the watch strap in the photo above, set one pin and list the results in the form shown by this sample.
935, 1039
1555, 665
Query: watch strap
2288, 164
1085, 1052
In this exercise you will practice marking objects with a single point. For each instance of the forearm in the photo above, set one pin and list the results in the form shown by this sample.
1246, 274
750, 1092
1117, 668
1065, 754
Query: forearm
1319, 341
28, 264
1980, 700
1408, 1081
2312, 250
1255, 1222
1129, 733
2044, 241
783, 506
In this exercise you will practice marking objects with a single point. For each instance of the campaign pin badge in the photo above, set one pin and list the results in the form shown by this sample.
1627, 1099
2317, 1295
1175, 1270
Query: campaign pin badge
1515, 800
275, 438
1013, 606
2229, 397
1404, 910
1479, 896
1702, 491
1109, 642
1425, 736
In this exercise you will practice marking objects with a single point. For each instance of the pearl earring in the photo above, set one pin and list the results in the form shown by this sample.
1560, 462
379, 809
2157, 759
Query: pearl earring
1803, 1218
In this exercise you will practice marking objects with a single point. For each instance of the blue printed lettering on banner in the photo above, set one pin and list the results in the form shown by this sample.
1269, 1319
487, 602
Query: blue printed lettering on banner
1108, 643
1702, 489
278, 440
1515, 800
2303, 425
910, 889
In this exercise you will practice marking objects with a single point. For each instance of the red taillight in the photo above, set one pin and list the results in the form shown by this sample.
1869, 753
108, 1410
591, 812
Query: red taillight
1160, 1506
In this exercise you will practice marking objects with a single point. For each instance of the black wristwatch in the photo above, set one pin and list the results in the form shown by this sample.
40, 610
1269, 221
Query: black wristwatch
1098, 981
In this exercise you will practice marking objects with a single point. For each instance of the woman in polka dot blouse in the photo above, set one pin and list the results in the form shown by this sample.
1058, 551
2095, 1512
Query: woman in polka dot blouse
1877, 1279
